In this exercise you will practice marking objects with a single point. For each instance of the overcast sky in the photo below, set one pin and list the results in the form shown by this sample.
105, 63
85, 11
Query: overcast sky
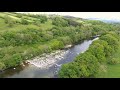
102, 15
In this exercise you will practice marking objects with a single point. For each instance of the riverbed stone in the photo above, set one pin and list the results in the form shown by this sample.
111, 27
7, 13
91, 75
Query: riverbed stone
47, 60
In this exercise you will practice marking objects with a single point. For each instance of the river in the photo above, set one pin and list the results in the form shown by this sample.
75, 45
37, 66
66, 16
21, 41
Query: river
31, 71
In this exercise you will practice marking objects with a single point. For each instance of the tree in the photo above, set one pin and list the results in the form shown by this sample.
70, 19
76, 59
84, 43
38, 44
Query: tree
37, 22
66, 40
113, 61
69, 70
2, 66
19, 15
43, 19
58, 21
17, 58
88, 64
84, 65
9, 21
107, 49
48, 35
55, 44
24, 22
73, 22
7, 18
111, 40
97, 50
12, 60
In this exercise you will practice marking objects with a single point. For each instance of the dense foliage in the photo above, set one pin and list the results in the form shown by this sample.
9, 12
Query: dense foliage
89, 64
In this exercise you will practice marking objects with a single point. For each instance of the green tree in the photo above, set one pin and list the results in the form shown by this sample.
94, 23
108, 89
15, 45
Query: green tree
69, 70
24, 22
2, 66
107, 49
84, 65
88, 64
19, 15
58, 21
55, 44
111, 40
66, 40
98, 51
9, 21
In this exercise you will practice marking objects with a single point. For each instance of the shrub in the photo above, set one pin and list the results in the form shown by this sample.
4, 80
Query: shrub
2, 66
69, 70
55, 44
58, 21
11, 61
98, 51
88, 64
113, 61
66, 40
24, 22
111, 40
9, 21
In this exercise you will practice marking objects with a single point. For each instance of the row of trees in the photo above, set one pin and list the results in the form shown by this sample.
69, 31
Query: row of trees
12, 56
32, 36
89, 64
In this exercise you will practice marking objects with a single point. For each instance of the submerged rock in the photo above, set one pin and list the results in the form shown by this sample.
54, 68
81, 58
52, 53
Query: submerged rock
68, 46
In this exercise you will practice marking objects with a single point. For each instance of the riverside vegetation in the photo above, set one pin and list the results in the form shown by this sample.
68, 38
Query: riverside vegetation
94, 61
25, 36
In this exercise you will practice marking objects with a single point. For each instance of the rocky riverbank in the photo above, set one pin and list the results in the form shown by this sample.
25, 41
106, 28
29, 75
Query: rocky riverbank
47, 60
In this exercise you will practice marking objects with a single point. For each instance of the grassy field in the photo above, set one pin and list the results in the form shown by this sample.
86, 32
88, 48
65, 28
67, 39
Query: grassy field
18, 27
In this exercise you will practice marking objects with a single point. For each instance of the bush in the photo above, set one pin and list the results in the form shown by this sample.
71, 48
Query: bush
113, 61
19, 15
88, 64
58, 21
97, 50
43, 19
47, 36
73, 23
55, 44
38, 23
2, 66
66, 40
17, 58
9, 21
69, 70
24, 22
111, 40
12, 60
107, 49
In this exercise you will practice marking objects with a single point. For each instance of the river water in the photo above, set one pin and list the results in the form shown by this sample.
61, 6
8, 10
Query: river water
31, 71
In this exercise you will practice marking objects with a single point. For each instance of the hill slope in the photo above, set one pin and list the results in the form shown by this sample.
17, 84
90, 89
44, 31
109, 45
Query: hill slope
24, 36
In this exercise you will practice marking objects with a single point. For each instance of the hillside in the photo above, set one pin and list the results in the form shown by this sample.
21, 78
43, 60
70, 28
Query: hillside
24, 36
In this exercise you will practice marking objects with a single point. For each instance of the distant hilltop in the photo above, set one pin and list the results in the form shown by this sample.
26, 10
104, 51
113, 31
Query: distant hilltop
68, 16
106, 20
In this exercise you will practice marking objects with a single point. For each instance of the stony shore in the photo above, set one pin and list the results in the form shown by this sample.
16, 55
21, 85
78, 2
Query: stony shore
47, 60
